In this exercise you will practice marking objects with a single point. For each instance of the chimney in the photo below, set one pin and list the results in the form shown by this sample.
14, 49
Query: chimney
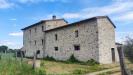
54, 17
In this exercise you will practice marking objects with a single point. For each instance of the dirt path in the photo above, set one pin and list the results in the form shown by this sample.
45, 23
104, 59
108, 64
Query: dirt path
118, 73
103, 71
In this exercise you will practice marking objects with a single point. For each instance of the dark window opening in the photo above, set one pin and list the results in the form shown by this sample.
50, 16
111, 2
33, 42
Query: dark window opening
35, 30
113, 54
76, 47
30, 32
38, 52
42, 28
42, 41
96, 31
56, 37
35, 42
76, 33
56, 48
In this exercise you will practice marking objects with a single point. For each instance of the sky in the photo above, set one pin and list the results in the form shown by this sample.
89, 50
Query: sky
17, 14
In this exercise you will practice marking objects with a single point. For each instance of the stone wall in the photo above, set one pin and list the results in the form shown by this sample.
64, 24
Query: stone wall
106, 37
32, 38
54, 23
87, 39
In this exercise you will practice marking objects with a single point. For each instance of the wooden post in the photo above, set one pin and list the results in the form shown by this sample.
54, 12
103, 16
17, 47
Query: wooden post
34, 61
122, 64
21, 53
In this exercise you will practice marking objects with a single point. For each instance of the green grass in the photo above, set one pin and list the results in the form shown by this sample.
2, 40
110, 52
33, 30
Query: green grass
62, 68
9, 65
12, 66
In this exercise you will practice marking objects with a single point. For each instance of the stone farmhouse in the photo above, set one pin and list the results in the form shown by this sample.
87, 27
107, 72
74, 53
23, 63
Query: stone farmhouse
92, 38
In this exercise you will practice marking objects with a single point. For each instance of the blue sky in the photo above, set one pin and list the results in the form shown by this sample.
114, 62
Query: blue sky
16, 14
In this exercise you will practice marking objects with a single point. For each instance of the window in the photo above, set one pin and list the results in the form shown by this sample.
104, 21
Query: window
76, 33
42, 28
56, 48
30, 32
76, 47
35, 42
42, 41
56, 37
38, 52
35, 30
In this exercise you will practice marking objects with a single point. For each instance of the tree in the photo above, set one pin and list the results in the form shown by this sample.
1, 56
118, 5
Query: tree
3, 48
128, 48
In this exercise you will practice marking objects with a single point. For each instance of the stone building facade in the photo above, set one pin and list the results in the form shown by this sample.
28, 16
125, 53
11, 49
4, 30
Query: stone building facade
92, 38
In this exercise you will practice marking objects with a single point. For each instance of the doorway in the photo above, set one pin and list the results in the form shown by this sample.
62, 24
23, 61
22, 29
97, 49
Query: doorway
113, 54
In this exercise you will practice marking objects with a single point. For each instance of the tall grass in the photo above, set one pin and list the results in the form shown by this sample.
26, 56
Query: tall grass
13, 66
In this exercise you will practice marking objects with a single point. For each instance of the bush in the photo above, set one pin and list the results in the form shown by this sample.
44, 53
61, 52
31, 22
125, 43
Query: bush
92, 62
72, 59
49, 58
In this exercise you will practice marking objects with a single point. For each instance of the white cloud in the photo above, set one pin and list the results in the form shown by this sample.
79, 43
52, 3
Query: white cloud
11, 44
5, 42
126, 17
5, 4
116, 9
16, 34
71, 15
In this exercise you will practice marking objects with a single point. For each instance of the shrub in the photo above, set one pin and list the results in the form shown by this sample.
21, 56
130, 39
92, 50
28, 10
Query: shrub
72, 59
92, 62
49, 58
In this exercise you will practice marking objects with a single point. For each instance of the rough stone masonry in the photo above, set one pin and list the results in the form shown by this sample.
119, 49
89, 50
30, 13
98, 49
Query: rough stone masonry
92, 38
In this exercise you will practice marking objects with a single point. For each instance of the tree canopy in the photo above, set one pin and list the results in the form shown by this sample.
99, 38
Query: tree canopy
3, 48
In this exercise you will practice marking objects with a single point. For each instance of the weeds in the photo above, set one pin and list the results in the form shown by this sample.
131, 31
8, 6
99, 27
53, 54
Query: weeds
72, 59
11, 66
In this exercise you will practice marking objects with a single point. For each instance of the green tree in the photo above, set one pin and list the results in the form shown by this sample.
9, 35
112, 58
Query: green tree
3, 48
128, 48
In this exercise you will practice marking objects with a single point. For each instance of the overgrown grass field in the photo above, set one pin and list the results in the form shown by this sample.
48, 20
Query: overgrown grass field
10, 65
